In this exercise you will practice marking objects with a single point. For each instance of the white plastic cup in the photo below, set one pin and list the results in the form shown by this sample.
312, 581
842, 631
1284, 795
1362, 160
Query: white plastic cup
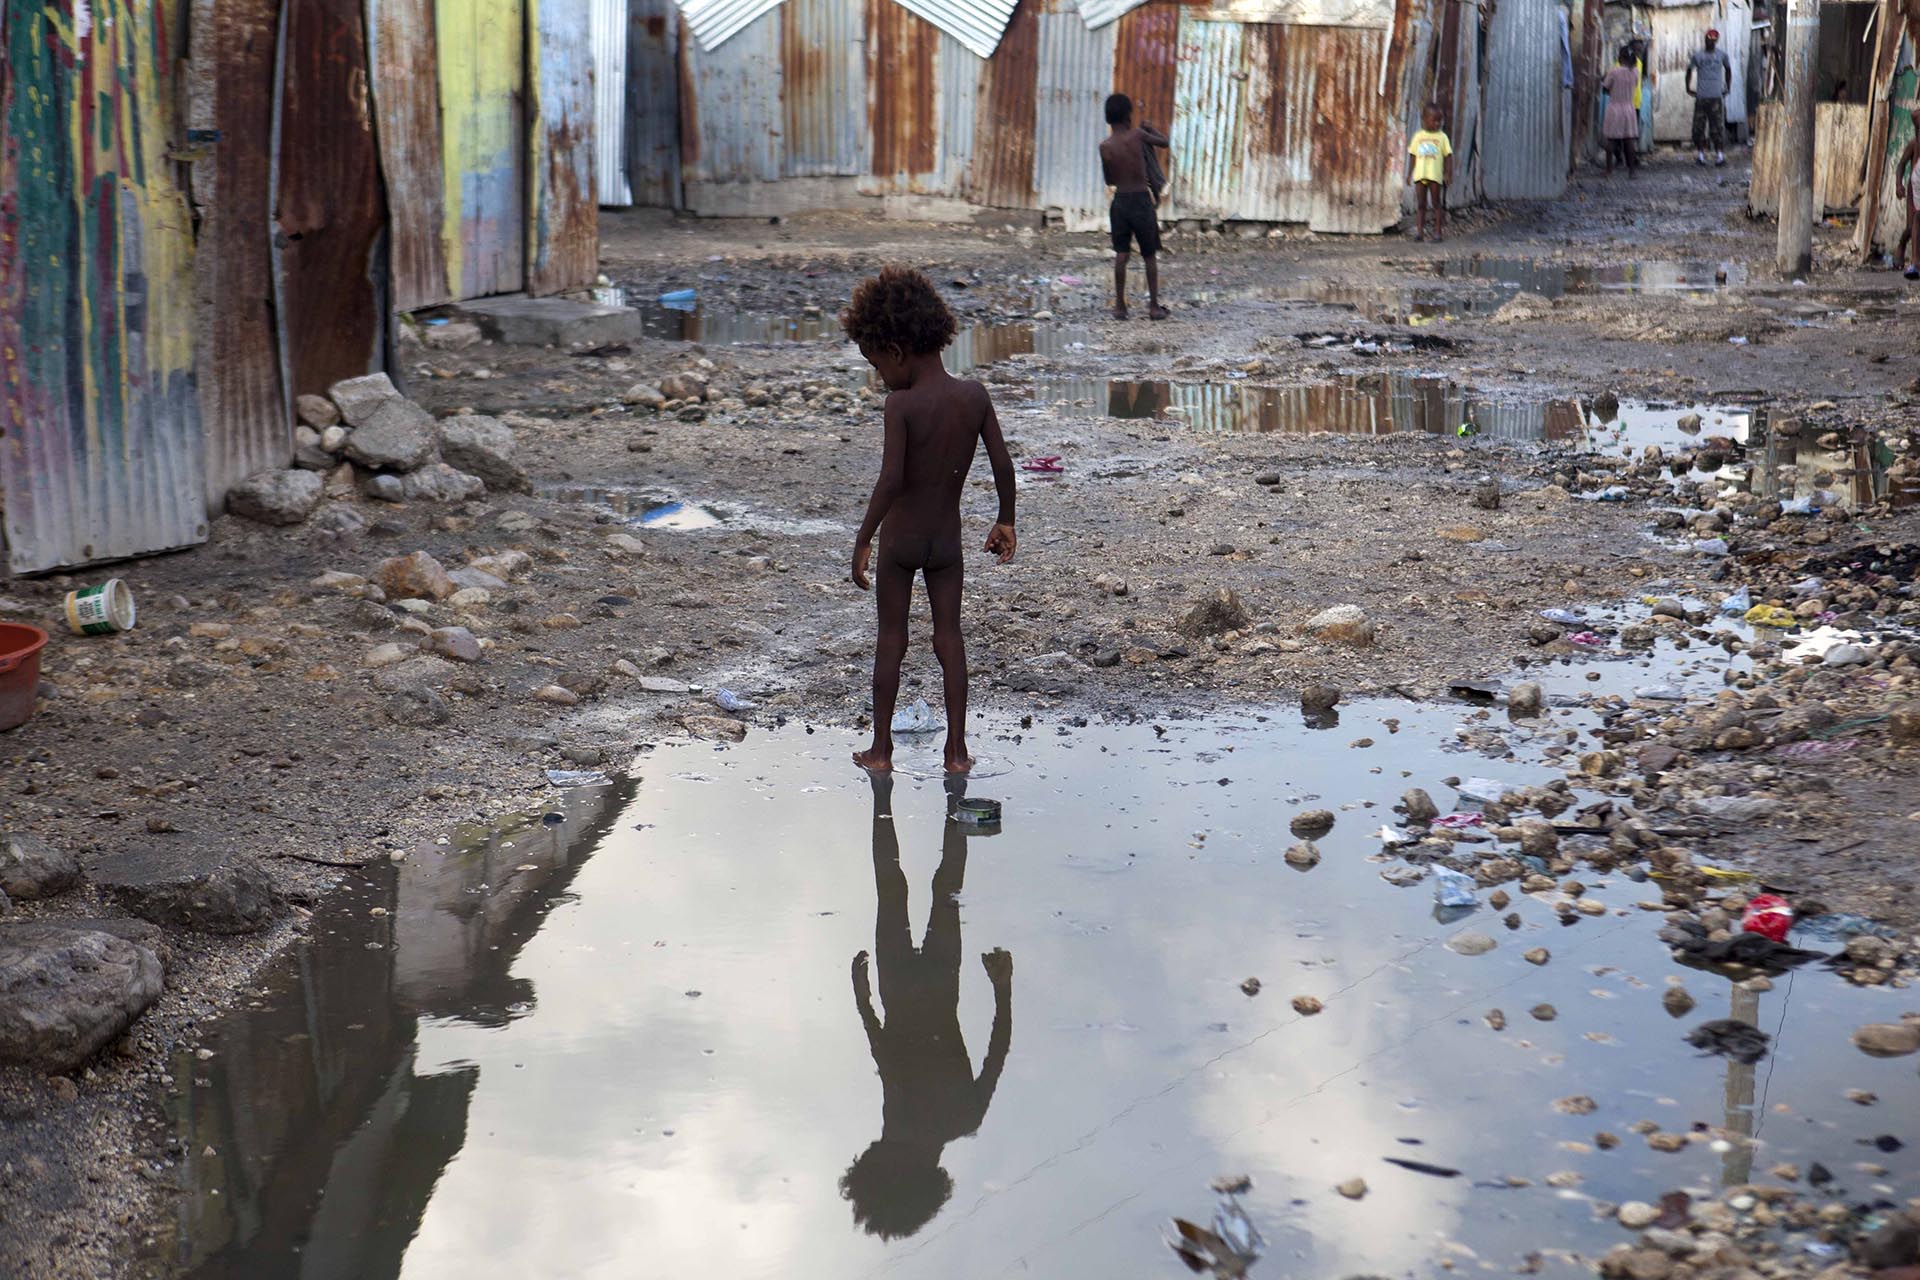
101, 610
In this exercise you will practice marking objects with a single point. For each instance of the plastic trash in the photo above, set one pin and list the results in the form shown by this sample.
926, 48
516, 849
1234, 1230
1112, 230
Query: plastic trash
1565, 617
1737, 341
1612, 493
1712, 547
1799, 506
1392, 836
728, 700
577, 778
1769, 915
1459, 821
1453, 888
1738, 603
917, 718
1586, 638
1771, 615
679, 299
1466, 429
1482, 790
1049, 465
1660, 693
1835, 926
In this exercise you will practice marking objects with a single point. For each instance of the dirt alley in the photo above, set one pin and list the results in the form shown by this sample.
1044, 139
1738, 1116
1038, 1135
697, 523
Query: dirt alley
239, 714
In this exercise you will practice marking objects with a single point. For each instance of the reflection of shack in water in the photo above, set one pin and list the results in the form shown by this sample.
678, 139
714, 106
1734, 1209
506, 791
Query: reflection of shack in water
1852, 469
315, 1087
1370, 405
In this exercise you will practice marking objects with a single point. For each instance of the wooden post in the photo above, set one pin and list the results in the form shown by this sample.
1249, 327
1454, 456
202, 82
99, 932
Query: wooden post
1793, 253
1893, 29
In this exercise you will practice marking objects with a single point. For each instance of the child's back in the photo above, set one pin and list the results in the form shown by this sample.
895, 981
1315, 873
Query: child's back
934, 425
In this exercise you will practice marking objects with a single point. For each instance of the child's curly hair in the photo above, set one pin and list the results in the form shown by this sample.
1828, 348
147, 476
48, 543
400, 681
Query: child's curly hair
899, 308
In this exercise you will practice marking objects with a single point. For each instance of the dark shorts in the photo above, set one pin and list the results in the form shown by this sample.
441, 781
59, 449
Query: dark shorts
1133, 218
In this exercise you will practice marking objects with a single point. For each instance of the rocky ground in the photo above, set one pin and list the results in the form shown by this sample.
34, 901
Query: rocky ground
449, 598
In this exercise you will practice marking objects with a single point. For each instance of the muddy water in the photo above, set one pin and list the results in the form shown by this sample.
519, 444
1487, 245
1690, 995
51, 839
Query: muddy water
633, 1038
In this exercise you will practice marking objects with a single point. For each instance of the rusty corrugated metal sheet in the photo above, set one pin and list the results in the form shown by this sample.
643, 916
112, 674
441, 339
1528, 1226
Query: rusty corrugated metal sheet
1278, 166
563, 213
902, 115
610, 36
730, 107
823, 76
243, 408
1523, 154
406, 104
1002, 171
101, 455
483, 123
328, 213
1359, 147
1074, 75
653, 103
1209, 117
1145, 44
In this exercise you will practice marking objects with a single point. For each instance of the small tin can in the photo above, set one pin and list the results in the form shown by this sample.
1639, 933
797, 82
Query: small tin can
100, 610
976, 812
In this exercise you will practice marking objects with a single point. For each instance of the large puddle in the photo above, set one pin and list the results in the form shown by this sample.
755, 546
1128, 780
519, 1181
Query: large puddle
635, 1036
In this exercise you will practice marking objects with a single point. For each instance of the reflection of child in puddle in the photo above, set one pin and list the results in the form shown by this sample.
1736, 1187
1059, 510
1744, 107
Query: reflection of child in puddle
930, 1095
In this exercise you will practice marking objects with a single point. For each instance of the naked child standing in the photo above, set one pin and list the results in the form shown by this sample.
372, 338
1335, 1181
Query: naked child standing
935, 423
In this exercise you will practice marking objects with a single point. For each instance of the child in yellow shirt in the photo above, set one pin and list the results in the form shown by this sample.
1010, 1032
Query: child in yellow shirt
1430, 170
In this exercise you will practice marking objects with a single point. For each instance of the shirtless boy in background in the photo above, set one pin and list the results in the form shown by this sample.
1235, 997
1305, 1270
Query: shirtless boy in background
1133, 217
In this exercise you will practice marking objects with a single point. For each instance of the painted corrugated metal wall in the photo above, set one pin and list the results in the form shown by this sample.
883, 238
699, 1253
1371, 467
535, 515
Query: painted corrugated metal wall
1524, 140
102, 453
610, 36
1209, 118
483, 67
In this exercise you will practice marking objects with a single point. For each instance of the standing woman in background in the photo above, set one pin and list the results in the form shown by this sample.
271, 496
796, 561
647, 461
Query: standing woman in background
1621, 125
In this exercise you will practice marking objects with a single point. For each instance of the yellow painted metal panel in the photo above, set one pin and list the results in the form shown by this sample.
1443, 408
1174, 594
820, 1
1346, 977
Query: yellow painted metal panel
482, 48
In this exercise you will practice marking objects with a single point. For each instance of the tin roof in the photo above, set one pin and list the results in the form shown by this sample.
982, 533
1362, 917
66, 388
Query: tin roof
714, 22
976, 24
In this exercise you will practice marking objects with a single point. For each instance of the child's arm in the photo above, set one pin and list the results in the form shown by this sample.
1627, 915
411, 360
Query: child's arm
999, 967
1001, 541
1153, 136
1446, 171
863, 997
893, 474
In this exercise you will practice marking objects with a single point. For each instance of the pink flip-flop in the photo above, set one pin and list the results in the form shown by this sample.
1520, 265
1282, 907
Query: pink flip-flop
1049, 465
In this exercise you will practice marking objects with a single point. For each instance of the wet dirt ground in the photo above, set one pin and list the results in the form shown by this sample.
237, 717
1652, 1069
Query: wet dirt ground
1292, 434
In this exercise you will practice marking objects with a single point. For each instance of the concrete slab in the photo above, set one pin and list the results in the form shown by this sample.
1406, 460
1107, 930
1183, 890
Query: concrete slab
519, 320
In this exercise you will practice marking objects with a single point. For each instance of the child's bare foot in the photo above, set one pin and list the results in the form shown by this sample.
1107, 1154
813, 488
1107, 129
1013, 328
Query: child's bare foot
958, 761
1158, 312
1119, 313
879, 760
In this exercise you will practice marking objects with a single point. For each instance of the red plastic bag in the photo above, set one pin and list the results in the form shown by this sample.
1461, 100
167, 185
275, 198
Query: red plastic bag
1768, 915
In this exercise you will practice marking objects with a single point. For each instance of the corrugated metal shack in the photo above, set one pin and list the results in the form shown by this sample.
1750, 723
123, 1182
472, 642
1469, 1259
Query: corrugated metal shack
210, 206
1280, 111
